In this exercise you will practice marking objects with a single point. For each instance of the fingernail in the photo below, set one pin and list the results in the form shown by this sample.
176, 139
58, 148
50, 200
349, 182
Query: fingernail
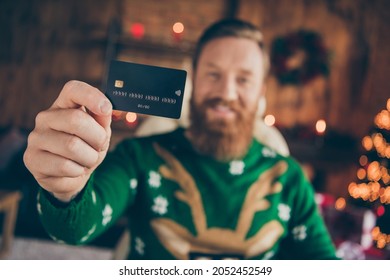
105, 107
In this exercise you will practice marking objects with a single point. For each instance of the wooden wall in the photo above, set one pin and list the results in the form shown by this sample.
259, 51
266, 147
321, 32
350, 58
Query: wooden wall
356, 34
45, 43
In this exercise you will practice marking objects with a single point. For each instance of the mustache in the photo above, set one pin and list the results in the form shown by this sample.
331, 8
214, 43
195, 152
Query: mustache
235, 106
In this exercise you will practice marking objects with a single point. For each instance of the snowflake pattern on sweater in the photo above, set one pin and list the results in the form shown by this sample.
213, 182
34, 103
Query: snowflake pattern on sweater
184, 205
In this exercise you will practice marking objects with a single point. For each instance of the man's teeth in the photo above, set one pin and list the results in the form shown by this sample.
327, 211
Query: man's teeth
222, 108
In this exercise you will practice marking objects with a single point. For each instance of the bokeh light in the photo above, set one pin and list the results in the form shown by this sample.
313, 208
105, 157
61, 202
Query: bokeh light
137, 30
367, 143
320, 126
178, 27
363, 160
361, 173
340, 204
131, 117
269, 120
116, 115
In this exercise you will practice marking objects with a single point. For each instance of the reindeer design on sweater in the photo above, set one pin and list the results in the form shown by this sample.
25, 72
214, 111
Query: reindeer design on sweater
180, 242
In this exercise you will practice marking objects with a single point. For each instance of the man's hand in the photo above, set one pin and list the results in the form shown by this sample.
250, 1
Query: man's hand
69, 140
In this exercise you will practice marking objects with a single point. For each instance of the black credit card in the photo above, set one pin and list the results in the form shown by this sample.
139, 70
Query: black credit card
146, 89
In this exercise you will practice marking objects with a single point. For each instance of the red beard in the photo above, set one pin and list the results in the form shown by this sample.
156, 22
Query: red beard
223, 140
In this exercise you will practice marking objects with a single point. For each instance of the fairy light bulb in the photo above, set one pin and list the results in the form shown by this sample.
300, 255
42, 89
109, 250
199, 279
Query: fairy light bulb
361, 173
363, 160
116, 115
367, 143
320, 126
131, 117
178, 27
373, 171
340, 204
269, 120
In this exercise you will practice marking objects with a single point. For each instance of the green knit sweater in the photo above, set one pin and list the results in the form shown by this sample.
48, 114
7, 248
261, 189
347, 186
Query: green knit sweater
183, 205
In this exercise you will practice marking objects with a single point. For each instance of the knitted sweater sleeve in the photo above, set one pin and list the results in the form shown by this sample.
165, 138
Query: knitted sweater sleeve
308, 237
107, 194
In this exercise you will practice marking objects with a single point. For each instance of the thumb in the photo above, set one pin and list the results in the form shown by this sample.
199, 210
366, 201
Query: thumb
76, 94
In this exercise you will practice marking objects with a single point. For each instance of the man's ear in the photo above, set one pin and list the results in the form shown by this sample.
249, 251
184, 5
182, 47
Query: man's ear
263, 90
192, 75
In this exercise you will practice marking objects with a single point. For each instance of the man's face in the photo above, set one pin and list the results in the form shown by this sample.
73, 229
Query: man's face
228, 83
229, 71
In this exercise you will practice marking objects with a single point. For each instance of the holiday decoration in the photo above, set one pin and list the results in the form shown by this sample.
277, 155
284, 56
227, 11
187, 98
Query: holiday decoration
299, 58
137, 30
350, 251
126, 120
372, 187
178, 29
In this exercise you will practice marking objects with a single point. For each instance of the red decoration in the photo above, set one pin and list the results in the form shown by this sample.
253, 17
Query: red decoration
380, 211
137, 30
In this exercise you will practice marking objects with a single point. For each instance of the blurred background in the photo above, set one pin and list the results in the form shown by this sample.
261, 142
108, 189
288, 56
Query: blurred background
327, 96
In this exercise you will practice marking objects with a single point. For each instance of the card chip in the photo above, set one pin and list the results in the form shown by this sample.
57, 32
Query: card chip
118, 84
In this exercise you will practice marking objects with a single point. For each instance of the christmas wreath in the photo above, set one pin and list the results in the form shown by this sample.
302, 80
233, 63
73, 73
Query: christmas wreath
299, 57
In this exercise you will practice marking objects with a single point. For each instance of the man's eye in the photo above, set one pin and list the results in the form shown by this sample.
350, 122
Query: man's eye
242, 80
213, 75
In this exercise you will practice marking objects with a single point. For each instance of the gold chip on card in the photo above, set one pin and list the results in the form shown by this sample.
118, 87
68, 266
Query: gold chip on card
118, 84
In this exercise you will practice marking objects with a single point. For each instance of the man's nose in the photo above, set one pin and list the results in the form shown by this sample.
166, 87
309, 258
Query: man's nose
228, 88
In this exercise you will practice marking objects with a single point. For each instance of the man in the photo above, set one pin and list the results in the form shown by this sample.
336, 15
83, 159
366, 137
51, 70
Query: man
209, 191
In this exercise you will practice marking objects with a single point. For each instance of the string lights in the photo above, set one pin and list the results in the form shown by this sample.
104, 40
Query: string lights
178, 29
137, 31
340, 204
381, 239
320, 127
116, 115
131, 118
374, 172
269, 120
